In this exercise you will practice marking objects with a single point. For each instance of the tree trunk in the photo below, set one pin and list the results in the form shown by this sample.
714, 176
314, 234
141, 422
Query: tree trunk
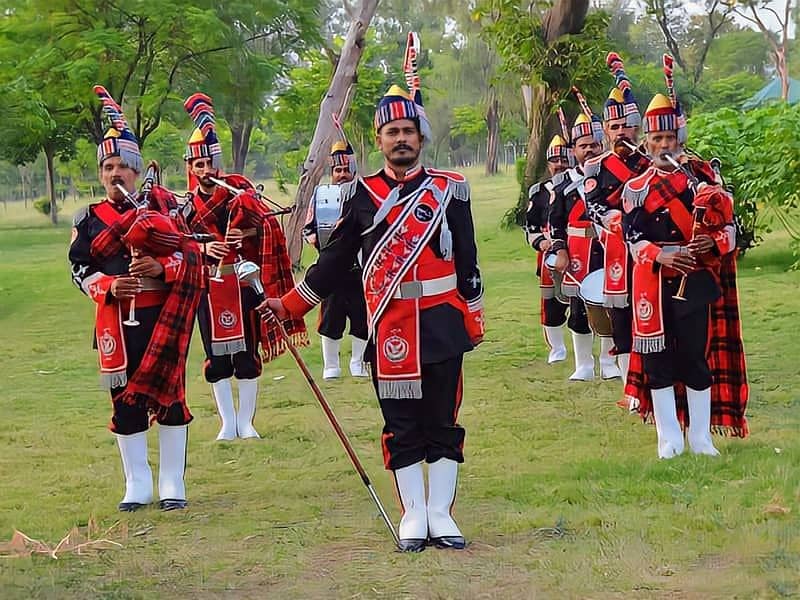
49, 181
566, 16
541, 107
337, 100
783, 72
240, 136
492, 133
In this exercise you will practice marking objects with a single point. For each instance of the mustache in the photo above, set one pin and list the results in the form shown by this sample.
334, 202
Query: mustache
117, 180
402, 147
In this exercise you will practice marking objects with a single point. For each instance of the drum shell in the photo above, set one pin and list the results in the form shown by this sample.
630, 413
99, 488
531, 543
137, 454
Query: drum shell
327, 208
591, 292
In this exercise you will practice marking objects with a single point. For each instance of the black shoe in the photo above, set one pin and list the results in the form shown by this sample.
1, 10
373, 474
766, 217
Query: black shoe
172, 504
453, 542
130, 506
411, 545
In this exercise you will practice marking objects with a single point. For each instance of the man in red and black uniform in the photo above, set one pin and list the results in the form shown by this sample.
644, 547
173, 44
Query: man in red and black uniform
227, 319
347, 302
573, 241
142, 362
605, 176
679, 224
553, 312
424, 294
229, 325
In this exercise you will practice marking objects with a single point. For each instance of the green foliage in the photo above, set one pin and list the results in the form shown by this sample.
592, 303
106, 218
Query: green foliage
468, 120
731, 91
43, 205
519, 170
760, 154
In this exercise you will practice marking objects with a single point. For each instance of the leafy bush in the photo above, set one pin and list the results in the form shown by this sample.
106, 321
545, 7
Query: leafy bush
760, 156
43, 205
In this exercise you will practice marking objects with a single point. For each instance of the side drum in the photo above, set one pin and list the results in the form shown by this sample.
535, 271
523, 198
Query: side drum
591, 292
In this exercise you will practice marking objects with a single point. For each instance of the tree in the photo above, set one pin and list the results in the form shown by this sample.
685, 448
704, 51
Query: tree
759, 180
549, 51
263, 42
750, 11
680, 31
337, 100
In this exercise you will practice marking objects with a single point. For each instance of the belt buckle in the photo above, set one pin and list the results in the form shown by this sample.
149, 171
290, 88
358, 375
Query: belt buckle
411, 289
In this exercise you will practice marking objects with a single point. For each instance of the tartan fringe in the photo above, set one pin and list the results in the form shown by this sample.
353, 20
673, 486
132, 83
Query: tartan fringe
400, 389
275, 348
113, 380
731, 431
649, 345
231, 347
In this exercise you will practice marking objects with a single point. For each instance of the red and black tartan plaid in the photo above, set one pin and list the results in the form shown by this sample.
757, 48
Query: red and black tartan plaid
729, 390
160, 378
159, 382
247, 210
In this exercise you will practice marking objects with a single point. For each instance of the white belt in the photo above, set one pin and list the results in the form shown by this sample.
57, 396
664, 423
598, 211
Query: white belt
429, 287
584, 232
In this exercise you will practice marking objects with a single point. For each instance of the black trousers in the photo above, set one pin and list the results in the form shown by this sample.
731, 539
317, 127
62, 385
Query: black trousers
686, 326
128, 419
242, 365
554, 313
622, 329
578, 321
346, 302
425, 428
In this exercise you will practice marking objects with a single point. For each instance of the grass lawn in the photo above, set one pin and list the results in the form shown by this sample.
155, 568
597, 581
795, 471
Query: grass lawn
562, 495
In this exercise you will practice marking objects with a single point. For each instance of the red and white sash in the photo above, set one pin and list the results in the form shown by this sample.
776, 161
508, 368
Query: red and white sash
395, 321
615, 265
649, 335
580, 249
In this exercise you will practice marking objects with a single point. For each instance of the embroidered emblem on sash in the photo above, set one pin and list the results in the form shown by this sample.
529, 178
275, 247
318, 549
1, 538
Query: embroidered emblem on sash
227, 319
644, 308
395, 348
108, 345
615, 272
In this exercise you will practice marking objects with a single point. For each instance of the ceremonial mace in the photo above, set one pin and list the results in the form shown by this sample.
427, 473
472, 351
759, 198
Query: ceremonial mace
248, 271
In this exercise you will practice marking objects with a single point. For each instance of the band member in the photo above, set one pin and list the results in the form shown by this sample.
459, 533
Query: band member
424, 307
553, 313
134, 262
347, 302
605, 177
577, 251
679, 224
229, 325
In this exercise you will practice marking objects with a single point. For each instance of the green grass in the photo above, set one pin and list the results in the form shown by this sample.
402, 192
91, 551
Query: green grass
562, 495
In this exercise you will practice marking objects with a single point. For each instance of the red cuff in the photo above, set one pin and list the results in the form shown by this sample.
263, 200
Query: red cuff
723, 241
98, 287
475, 325
293, 302
647, 253
172, 265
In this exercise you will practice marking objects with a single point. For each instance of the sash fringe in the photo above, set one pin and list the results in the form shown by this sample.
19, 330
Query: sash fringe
649, 345
616, 301
400, 389
569, 289
231, 347
113, 380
